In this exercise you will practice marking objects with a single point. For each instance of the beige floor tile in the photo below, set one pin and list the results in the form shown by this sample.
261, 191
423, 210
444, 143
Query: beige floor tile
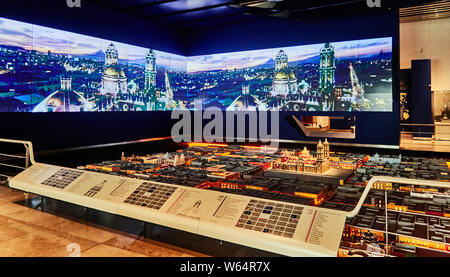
10, 229
36, 217
10, 195
104, 250
8, 207
37, 245
83, 230
148, 248
35, 241
26, 232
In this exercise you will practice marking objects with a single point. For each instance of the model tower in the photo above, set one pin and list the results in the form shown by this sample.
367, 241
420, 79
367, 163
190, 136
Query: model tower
320, 157
326, 149
320, 151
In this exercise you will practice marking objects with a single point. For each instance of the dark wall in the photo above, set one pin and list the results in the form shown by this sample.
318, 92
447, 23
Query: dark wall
421, 112
50, 131
55, 130
258, 33
255, 33
94, 20
421, 104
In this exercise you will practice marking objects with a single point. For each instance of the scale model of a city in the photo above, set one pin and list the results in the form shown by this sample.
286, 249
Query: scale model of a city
322, 178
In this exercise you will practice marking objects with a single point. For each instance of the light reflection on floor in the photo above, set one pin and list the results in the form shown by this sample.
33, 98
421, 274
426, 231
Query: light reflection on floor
26, 232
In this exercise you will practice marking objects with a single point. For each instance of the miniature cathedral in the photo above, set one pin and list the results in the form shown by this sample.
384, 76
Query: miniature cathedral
323, 157
304, 161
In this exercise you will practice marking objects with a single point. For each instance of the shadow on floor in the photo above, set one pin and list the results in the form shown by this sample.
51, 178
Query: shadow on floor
133, 227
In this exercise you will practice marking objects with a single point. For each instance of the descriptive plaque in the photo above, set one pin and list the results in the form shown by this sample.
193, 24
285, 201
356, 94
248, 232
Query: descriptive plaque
123, 189
322, 228
196, 204
315, 234
230, 208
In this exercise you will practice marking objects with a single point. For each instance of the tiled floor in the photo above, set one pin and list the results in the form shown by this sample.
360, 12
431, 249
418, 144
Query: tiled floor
407, 143
26, 232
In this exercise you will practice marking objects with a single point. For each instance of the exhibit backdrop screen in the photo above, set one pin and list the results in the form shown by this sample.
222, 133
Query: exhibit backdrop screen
49, 70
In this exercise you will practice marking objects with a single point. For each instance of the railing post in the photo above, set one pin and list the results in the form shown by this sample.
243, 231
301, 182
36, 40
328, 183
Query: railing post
27, 156
386, 248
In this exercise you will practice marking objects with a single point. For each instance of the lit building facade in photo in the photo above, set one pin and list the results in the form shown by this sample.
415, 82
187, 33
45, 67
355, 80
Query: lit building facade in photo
114, 81
284, 81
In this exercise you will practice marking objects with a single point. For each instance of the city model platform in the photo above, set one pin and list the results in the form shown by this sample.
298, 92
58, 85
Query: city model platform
253, 222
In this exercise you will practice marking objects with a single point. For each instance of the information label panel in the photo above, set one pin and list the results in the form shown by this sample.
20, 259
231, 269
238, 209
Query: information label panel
284, 228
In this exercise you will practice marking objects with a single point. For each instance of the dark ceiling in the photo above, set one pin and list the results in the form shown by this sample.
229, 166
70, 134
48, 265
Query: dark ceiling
174, 24
185, 14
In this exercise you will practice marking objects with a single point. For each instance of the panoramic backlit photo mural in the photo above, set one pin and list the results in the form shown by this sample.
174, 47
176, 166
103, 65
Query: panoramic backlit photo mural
49, 70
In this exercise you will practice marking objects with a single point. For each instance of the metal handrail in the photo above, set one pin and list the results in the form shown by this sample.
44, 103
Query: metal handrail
397, 180
425, 124
29, 154
419, 132
419, 124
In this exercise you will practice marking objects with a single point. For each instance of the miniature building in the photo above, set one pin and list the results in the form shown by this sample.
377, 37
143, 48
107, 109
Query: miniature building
306, 162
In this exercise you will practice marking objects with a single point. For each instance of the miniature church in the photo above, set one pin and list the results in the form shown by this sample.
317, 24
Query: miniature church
304, 161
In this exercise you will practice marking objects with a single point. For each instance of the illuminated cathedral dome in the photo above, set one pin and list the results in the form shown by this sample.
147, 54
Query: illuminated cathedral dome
304, 154
320, 145
114, 80
285, 74
64, 100
284, 82
303, 87
245, 101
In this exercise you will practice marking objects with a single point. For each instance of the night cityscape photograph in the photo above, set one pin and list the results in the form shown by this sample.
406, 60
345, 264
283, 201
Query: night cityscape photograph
223, 137
48, 70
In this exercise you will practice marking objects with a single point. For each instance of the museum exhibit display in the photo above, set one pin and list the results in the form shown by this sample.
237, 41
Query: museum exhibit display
99, 75
224, 128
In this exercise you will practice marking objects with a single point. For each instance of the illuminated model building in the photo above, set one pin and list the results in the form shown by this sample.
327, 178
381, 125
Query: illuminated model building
419, 217
304, 161
172, 160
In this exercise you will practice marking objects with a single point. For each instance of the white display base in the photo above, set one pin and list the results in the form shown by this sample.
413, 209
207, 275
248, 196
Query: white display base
274, 226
